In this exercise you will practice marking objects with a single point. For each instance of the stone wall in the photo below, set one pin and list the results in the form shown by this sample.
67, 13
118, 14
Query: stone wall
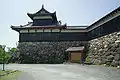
105, 50
45, 52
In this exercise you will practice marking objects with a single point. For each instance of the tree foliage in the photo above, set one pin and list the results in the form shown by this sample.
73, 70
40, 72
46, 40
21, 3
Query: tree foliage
4, 56
14, 55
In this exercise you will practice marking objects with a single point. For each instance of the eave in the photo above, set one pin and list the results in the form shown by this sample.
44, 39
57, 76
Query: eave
18, 28
112, 15
33, 15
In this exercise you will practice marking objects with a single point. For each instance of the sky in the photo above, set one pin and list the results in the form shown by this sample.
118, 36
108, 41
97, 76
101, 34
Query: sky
72, 12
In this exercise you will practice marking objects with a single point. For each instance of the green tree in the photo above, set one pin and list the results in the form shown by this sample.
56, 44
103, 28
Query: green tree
4, 56
14, 55
12, 50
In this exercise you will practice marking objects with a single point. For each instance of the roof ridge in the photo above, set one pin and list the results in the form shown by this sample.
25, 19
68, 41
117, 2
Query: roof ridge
42, 10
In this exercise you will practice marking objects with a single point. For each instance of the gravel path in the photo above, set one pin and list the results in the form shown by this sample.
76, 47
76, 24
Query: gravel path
25, 76
65, 72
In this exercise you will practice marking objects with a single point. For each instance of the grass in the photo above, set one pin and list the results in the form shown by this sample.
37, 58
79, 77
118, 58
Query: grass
9, 74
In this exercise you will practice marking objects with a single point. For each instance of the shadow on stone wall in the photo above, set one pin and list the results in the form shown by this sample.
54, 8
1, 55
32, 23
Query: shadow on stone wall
46, 52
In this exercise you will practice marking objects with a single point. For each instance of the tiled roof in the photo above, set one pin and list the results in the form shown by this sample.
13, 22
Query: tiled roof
75, 49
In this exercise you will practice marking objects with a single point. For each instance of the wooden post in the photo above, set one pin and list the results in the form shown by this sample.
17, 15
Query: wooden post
70, 57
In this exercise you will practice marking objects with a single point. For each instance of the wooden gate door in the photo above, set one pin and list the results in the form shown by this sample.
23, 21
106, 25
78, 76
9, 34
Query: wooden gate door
75, 57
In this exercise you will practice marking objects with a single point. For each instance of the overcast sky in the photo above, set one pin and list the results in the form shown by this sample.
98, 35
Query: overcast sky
72, 12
